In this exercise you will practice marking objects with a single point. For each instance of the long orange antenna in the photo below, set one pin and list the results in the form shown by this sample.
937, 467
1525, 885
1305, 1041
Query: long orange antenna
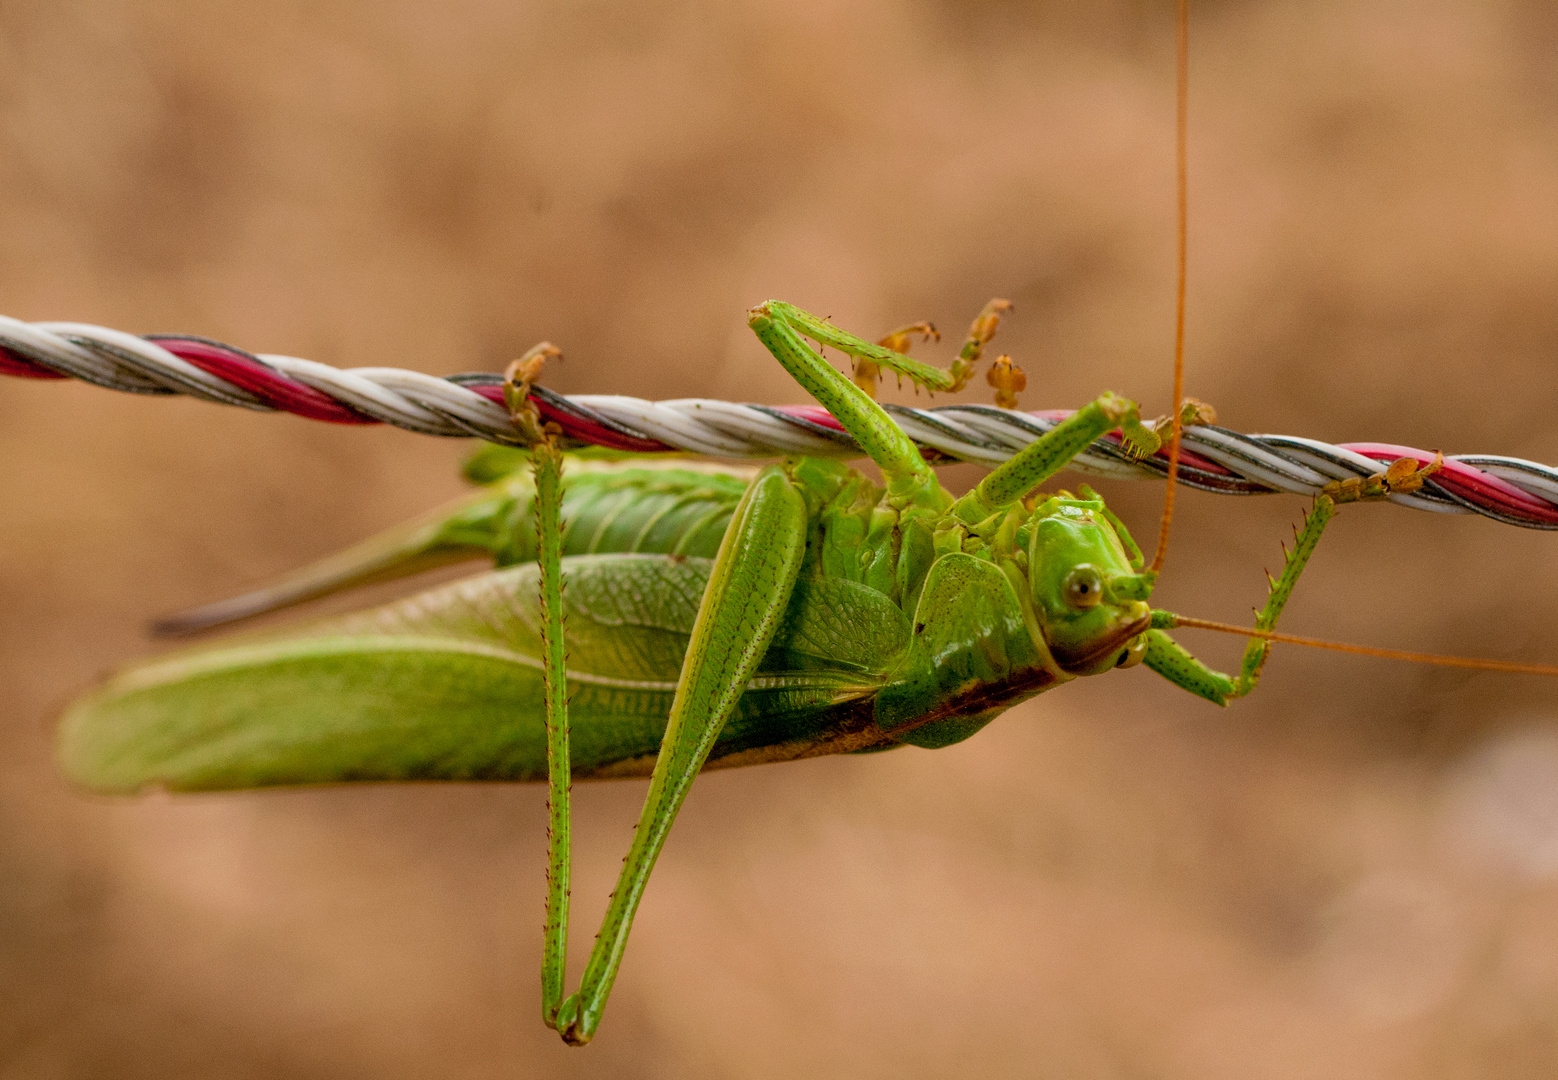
1367, 650
1181, 154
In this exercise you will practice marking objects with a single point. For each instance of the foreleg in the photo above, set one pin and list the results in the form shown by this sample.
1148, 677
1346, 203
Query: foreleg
1171, 660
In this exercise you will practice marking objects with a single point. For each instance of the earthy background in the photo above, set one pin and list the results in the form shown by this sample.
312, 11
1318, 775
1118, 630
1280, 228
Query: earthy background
1353, 874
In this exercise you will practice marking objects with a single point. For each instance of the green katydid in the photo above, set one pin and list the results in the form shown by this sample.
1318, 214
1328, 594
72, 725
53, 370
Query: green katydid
711, 618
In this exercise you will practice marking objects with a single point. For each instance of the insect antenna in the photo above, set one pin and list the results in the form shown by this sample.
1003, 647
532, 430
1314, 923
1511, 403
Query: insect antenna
1181, 126
1369, 650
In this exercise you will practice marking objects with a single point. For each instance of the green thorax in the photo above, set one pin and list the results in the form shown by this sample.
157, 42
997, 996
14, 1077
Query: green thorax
618, 511
994, 604
855, 534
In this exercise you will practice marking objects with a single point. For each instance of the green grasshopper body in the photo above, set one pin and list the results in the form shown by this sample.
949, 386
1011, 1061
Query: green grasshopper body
656, 621
454, 676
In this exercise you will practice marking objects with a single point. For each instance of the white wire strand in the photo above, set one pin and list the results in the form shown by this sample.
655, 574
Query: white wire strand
981, 434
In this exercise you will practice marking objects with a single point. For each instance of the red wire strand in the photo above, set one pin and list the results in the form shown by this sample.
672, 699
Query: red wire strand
1478, 488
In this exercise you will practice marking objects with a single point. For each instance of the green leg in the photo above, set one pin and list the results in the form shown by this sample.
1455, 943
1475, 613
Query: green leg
548, 467
1006, 379
748, 591
781, 328
866, 372
1170, 659
1053, 451
932, 378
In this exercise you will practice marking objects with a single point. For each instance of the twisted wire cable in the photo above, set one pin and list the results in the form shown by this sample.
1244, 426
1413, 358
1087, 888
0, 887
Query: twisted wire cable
1506, 489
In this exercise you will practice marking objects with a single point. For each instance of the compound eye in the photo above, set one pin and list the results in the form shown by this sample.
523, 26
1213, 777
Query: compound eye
1084, 588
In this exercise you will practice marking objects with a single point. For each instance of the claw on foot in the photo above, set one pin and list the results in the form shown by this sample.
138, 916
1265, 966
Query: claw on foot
866, 373
900, 339
1403, 476
980, 331
1008, 380
1192, 411
518, 378
1138, 439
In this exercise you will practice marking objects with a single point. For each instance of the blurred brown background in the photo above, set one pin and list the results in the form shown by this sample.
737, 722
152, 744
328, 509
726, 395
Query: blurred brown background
1352, 874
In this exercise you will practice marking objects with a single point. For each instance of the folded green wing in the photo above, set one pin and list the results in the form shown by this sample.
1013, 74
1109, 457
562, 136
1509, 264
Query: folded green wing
447, 685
